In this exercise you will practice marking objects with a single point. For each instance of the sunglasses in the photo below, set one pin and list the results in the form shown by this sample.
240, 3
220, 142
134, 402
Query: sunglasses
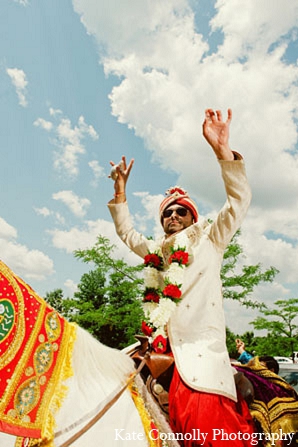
180, 211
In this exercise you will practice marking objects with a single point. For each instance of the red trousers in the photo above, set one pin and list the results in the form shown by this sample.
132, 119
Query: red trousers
225, 422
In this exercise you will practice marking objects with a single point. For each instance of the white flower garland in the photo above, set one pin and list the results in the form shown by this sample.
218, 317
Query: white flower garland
162, 295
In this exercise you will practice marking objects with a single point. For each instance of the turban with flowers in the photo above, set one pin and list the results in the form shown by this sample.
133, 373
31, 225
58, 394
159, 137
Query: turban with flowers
178, 196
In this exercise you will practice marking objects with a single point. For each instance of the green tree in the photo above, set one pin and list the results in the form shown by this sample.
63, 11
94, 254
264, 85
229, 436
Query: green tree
89, 301
230, 342
270, 345
107, 302
58, 302
92, 288
248, 338
239, 285
282, 326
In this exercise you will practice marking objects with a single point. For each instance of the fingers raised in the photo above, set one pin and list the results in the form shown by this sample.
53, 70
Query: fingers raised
219, 115
229, 116
130, 166
210, 115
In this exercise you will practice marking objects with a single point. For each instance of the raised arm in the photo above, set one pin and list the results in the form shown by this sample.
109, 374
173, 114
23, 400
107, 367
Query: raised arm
216, 133
118, 207
122, 172
230, 217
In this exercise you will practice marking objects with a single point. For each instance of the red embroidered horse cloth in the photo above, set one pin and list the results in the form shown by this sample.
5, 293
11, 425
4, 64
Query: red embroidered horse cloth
35, 359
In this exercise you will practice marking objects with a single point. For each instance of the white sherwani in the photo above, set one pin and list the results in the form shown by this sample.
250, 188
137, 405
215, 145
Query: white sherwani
197, 327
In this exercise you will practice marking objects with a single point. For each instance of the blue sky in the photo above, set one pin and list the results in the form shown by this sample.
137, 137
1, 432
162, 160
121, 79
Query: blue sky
83, 82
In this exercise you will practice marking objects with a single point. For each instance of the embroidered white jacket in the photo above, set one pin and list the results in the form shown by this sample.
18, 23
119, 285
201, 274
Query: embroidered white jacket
197, 327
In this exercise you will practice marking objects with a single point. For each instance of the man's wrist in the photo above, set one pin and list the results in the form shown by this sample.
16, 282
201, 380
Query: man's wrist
224, 153
120, 197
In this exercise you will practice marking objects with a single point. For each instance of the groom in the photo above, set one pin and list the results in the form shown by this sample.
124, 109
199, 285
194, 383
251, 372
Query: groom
202, 393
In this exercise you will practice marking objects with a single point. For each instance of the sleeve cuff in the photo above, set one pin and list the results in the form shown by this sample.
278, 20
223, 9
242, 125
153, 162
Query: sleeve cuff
237, 156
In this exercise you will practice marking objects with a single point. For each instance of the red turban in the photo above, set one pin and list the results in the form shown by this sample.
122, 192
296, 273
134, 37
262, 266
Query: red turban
179, 196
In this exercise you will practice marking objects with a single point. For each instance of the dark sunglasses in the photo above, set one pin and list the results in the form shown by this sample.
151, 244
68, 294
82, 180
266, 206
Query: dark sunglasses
180, 211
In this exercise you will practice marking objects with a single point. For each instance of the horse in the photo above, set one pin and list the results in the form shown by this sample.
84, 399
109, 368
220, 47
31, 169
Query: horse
61, 387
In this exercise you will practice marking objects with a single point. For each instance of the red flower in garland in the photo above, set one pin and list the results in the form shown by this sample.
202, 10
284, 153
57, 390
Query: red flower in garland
179, 256
153, 260
151, 295
172, 291
159, 344
147, 330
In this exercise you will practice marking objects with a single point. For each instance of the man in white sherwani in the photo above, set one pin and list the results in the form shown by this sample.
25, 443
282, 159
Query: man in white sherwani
203, 401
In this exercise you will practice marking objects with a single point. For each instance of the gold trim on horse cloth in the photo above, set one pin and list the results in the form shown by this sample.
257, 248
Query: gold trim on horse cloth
36, 346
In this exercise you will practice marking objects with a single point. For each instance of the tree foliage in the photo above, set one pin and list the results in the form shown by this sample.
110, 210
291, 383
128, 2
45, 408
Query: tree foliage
58, 302
282, 324
238, 284
248, 338
107, 301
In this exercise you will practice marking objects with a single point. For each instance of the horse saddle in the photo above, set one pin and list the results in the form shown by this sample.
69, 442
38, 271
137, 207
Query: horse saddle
159, 366
158, 371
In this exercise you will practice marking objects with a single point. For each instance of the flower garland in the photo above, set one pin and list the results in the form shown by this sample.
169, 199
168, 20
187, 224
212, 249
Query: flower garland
162, 295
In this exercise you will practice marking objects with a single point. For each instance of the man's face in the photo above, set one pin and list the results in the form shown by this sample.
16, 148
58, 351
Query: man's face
176, 218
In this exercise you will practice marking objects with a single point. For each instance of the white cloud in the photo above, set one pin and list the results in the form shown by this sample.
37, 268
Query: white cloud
98, 171
85, 237
46, 125
269, 251
239, 318
71, 286
168, 76
22, 2
7, 231
45, 212
77, 205
18, 79
55, 112
270, 25
87, 129
32, 264
141, 20
168, 79
149, 214
68, 139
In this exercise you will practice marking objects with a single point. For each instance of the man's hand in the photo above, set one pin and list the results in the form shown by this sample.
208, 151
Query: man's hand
216, 133
240, 346
121, 179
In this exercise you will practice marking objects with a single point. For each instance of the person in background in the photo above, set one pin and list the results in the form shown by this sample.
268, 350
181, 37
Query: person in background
273, 403
245, 356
